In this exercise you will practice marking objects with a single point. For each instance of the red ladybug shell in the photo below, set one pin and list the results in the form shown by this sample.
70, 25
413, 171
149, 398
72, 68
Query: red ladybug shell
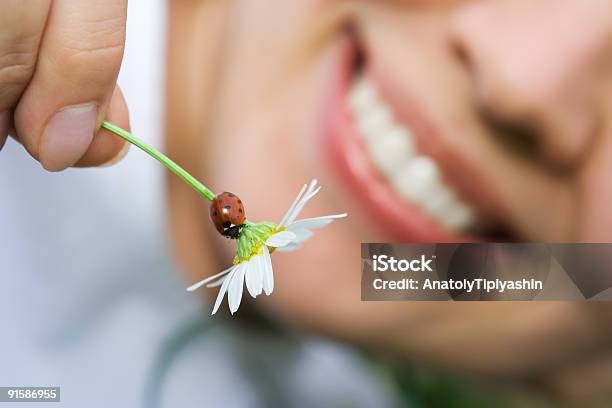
226, 211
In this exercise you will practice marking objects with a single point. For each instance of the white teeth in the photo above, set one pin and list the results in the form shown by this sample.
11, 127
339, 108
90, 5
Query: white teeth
376, 120
362, 96
391, 148
415, 178
441, 198
459, 216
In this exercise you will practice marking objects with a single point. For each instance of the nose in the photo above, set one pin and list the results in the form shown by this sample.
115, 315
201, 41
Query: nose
537, 67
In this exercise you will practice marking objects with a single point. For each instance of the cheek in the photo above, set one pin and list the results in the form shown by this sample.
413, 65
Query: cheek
319, 286
273, 143
323, 272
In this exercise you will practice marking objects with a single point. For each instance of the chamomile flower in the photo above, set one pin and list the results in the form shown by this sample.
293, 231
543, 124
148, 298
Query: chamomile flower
255, 242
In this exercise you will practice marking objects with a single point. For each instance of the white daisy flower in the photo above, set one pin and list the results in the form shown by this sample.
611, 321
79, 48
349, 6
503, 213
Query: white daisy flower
252, 263
255, 241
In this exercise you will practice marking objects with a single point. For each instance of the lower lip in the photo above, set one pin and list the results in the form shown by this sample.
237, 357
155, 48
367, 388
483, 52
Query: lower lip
344, 153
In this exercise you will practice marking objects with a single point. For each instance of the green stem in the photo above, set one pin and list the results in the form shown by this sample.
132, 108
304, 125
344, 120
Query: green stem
162, 158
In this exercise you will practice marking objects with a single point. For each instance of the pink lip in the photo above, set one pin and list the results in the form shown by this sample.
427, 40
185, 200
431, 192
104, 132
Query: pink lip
344, 154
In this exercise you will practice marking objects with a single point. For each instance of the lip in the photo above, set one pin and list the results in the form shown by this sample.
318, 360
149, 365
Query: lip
343, 152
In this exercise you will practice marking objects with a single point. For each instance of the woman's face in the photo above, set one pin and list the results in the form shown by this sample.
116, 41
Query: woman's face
424, 120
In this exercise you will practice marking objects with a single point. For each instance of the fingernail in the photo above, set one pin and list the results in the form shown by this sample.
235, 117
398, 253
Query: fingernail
122, 153
4, 127
67, 137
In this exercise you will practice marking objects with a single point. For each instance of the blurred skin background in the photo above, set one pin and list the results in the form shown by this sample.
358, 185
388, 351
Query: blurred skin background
510, 96
504, 106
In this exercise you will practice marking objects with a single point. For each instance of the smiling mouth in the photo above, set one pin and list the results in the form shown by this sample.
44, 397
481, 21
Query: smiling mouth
386, 164
392, 150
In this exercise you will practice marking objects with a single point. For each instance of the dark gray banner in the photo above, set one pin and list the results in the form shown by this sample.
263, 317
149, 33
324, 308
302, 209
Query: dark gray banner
486, 271
29, 394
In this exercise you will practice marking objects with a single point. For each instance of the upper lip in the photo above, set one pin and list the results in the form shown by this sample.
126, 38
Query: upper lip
342, 146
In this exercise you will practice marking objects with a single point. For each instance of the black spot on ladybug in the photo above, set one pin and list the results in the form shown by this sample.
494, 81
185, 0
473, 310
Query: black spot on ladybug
231, 194
239, 201
227, 207
227, 224
240, 210
214, 214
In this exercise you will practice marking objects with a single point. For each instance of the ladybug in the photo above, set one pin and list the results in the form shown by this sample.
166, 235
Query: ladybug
227, 213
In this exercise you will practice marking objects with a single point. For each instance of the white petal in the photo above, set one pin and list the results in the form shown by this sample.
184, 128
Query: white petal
268, 274
302, 228
280, 239
216, 283
219, 281
312, 223
290, 210
301, 235
290, 247
254, 275
310, 193
236, 285
299, 203
199, 284
223, 289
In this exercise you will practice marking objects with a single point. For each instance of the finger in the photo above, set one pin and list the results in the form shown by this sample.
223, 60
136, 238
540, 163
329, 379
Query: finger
22, 23
107, 148
73, 82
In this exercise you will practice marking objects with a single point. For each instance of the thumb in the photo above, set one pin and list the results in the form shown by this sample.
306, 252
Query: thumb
73, 82
107, 148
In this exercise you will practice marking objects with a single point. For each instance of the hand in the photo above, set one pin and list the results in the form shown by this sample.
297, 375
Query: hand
59, 62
